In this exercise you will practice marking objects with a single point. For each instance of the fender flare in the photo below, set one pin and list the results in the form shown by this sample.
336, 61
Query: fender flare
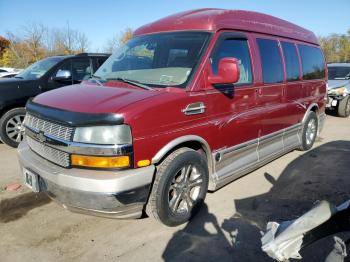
188, 138
309, 110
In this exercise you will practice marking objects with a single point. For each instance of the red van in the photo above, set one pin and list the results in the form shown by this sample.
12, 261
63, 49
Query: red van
192, 102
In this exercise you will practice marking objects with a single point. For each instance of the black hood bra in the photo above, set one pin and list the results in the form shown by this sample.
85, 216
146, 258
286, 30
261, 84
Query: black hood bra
75, 119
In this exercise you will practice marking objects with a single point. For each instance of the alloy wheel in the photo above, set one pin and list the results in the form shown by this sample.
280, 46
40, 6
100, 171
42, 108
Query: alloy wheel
311, 131
15, 128
184, 190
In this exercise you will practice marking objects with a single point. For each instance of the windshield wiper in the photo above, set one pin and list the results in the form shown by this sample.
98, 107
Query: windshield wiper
96, 79
18, 77
132, 82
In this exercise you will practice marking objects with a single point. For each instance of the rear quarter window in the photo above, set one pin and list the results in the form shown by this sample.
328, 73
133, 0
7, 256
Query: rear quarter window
312, 61
291, 60
271, 61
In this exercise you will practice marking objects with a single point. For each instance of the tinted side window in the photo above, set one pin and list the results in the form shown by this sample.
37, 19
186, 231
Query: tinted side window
312, 62
237, 48
271, 61
100, 61
81, 69
291, 60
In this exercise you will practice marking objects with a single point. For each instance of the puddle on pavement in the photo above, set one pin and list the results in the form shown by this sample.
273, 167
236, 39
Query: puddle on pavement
14, 208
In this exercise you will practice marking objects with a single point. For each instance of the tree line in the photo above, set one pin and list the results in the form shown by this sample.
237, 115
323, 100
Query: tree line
336, 47
36, 41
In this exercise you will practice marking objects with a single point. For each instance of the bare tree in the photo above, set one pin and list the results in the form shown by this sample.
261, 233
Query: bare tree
119, 40
34, 37
36, 41
82, 42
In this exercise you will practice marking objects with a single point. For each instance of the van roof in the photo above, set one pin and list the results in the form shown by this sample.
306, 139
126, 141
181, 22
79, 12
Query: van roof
212, 19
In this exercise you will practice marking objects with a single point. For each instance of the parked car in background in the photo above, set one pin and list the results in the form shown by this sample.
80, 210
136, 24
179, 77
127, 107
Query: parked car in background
192, 102
8, 72
8, 75
339, 88
44, 75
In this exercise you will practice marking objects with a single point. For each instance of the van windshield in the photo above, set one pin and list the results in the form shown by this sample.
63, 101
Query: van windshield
158, 60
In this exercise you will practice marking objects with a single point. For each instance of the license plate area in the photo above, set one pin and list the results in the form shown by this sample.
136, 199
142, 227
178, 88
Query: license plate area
31, 180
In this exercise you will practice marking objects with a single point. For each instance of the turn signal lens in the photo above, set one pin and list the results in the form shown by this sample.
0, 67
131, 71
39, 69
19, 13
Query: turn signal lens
100, 162
143, 163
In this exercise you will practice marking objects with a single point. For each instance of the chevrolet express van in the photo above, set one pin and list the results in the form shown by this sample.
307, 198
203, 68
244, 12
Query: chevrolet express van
192, 102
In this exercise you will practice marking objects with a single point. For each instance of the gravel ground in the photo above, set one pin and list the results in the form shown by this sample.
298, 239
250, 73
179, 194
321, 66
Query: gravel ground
33, 228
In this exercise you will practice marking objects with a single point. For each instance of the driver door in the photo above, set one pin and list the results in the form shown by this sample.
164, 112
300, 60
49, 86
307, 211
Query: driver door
80, 69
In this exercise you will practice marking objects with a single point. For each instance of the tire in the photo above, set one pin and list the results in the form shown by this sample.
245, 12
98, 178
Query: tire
11, 126
173, 201
309, 132
344, 107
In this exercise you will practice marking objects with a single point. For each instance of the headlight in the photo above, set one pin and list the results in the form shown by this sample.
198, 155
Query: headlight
341, 91
103, 135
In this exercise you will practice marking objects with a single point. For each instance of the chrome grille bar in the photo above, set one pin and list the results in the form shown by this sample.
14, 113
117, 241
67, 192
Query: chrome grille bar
49, 128
56, 156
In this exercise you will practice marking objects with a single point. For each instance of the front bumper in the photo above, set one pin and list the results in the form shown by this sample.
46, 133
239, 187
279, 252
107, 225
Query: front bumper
119, 194
333, 101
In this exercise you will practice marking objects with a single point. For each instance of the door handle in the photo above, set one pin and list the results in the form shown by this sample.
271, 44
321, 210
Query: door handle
194, 109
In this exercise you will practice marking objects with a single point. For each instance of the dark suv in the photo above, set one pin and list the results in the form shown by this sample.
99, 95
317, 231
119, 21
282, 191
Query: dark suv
44, 75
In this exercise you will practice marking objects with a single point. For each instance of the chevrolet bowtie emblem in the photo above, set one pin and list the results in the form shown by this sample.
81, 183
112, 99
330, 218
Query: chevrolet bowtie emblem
41, 137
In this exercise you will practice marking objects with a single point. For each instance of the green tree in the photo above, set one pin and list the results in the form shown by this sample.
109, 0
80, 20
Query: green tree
336, 47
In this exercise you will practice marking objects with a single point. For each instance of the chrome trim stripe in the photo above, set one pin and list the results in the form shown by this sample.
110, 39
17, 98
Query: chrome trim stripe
237, 147
266, 149
259, 140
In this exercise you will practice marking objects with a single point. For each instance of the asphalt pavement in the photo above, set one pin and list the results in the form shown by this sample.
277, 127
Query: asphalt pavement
228, 228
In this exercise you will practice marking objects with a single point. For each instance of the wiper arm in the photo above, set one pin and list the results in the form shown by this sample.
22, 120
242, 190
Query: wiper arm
18, 77
96, 79
95, 76
132, 82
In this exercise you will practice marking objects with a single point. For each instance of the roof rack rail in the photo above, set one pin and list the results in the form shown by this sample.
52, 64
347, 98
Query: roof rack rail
92, 54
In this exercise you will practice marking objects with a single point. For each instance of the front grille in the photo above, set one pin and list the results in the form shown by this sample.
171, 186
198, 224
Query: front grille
49, 128
56, 156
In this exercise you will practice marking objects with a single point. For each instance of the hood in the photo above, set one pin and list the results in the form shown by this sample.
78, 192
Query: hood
93, 99
10, 81
337, 83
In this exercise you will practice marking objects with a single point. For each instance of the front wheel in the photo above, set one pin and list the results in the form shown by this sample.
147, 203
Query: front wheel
179, 187
344, 107
11, 126
309, 131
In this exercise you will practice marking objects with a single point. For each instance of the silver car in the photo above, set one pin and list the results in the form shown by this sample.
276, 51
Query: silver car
339, 88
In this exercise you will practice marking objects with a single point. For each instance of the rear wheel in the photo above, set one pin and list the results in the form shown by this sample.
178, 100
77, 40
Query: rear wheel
179, 188
344, 107
11, 126
309, 131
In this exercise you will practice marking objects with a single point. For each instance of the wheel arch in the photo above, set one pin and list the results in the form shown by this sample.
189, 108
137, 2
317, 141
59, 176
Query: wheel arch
9, 107
312, 108
191, 141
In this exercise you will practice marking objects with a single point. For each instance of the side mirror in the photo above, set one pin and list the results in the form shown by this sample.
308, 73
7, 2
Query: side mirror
62, 75
228, 72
